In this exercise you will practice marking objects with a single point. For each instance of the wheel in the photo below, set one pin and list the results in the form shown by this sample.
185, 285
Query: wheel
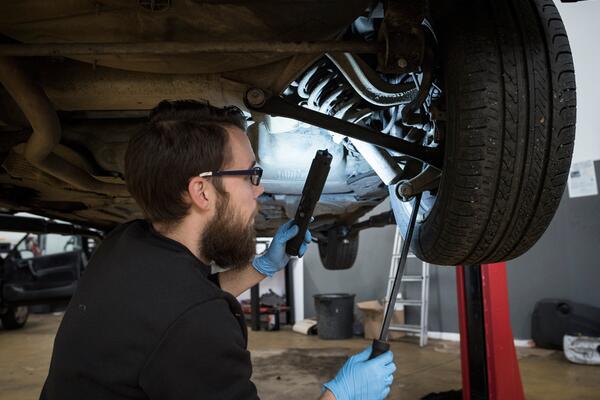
15, 317
339, 251
508, 132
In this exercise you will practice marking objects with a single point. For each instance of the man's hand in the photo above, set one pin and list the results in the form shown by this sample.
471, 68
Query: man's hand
361, 378
275, 258
237, 281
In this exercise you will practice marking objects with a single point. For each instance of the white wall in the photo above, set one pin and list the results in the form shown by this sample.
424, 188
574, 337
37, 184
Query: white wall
582, 21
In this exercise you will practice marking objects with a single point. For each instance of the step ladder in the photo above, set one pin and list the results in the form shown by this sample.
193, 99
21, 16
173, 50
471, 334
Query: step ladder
423, 302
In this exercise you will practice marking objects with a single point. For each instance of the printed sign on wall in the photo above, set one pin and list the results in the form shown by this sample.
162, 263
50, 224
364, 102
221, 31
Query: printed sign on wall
582, 179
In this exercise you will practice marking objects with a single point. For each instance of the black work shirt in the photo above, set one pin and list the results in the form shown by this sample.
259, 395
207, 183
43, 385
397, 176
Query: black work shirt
148, 321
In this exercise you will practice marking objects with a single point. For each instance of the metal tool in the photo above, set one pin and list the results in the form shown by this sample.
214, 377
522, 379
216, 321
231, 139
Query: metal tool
381, 345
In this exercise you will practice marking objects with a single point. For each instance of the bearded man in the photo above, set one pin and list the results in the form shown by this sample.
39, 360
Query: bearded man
149, 319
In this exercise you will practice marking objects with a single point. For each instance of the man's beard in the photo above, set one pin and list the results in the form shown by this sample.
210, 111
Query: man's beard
228, 240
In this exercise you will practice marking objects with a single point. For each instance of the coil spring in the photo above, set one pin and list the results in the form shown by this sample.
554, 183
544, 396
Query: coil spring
323, 89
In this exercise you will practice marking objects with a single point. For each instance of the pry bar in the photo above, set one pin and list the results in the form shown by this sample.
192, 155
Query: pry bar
381, 345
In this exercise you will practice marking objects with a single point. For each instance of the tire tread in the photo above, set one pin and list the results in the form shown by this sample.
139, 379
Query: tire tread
511, 71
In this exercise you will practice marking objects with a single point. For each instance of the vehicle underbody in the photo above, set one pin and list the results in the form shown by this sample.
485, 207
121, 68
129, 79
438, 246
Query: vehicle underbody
80, 77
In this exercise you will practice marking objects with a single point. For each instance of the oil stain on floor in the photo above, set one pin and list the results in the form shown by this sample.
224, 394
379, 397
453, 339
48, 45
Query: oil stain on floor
295, 374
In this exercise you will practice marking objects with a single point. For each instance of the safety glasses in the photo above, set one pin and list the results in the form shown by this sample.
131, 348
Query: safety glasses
254, 173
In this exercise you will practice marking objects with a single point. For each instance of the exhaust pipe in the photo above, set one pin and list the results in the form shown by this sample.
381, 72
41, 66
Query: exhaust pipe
47, 132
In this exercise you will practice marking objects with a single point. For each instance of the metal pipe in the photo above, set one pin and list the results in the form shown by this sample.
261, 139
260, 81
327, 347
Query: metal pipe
47, 131
368, 84
12, 223
173, 48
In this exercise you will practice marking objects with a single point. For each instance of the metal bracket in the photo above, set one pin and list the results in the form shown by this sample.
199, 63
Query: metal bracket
403, 36
261, 101
428, 179
377, 221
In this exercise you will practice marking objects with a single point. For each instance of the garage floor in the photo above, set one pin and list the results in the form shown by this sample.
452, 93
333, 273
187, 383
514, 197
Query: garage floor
292, 366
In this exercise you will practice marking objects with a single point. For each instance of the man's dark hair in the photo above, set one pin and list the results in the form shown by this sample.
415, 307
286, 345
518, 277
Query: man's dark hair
181, 139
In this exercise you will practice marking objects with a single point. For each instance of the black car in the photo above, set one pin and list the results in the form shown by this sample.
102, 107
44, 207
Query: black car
43, 267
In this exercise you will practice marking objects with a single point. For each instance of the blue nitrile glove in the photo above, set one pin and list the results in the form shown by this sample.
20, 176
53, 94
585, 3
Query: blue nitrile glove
275, 258
364, 379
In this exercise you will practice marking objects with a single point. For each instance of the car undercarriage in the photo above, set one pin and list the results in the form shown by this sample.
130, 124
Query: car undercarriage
470, 103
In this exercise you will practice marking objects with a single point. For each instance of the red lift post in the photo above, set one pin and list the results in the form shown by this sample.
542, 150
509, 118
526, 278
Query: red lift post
490, 370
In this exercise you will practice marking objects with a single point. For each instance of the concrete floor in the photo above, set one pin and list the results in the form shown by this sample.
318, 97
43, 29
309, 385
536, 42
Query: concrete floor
292, 366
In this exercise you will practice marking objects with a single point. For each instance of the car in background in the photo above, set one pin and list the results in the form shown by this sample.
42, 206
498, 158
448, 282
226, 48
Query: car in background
42, 266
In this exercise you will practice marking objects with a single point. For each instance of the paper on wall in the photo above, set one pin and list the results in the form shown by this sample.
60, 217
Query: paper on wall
582, 179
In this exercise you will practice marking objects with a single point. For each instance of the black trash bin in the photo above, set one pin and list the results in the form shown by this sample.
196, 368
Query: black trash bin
335, 315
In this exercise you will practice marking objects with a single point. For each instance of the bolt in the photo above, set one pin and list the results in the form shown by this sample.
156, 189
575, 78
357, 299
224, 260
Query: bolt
406, 190
256, 97
402, 63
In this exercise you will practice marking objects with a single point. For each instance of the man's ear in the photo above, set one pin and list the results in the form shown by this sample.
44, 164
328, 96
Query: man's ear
200, 192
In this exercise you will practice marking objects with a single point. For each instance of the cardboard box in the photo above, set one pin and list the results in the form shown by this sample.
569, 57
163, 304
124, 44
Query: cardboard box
373, 318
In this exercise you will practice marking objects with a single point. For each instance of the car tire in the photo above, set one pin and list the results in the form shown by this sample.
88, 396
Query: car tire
15, 317
339, 251
509, 132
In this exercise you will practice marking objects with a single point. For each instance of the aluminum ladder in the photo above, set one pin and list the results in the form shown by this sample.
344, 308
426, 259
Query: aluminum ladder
423, 302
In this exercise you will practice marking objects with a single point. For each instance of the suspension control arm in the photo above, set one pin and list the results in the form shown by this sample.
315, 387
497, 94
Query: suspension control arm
261, 101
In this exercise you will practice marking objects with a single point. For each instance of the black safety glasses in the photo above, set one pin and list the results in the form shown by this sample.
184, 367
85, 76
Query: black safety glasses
254, 173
